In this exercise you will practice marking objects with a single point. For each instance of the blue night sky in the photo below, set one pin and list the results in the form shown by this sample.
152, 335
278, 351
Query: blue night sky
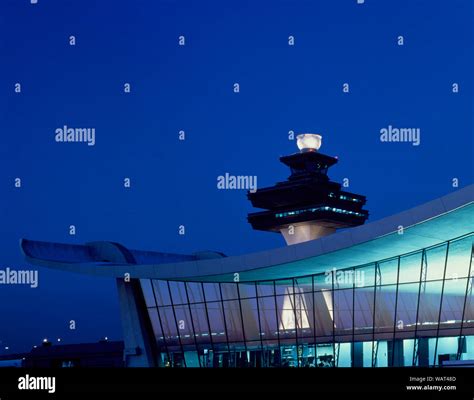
190, 88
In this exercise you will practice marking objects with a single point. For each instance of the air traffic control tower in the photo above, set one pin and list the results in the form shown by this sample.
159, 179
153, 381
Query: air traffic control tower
308, 205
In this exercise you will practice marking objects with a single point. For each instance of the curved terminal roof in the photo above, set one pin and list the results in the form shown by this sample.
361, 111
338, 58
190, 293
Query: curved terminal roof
437, 221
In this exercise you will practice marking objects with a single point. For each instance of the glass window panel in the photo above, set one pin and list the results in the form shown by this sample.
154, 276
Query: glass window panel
268, 317
148, 292
265, 288
323, 311
408, 349
453, 304
435, 258
367, 352
184, 324
406, 307
343, 311
289, 356
410, 268
388, 272
325, 355
286, 318
447, 349
286, 314
192, 359
307, 355
250, 315
304, 315
155, 323
169, 324
345, 355
459, 257
322, 281
161, 293
385, 308
469, 306
363, 311
229, 291
195, 292
304, 284
382, 354
364, 276
283, 286
247, 290
233, 320
216, 321
211, 291
428, 312
468, 354
295, 311
346, 278
178, 292
201, 327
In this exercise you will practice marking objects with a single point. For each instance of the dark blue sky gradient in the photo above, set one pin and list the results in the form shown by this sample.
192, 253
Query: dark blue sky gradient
190, 88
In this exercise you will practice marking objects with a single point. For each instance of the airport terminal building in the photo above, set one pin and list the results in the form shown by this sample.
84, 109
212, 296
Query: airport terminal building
394, 292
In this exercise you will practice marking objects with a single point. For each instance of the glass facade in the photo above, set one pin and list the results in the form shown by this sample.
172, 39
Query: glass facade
413, 310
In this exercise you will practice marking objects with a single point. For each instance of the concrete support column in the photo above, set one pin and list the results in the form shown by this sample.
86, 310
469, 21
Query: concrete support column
137, 335
140, 349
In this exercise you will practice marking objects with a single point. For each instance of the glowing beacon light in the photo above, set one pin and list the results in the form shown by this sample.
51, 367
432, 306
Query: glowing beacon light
308, 142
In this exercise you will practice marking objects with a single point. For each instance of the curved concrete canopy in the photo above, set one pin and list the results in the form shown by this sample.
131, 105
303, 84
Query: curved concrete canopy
426, 225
